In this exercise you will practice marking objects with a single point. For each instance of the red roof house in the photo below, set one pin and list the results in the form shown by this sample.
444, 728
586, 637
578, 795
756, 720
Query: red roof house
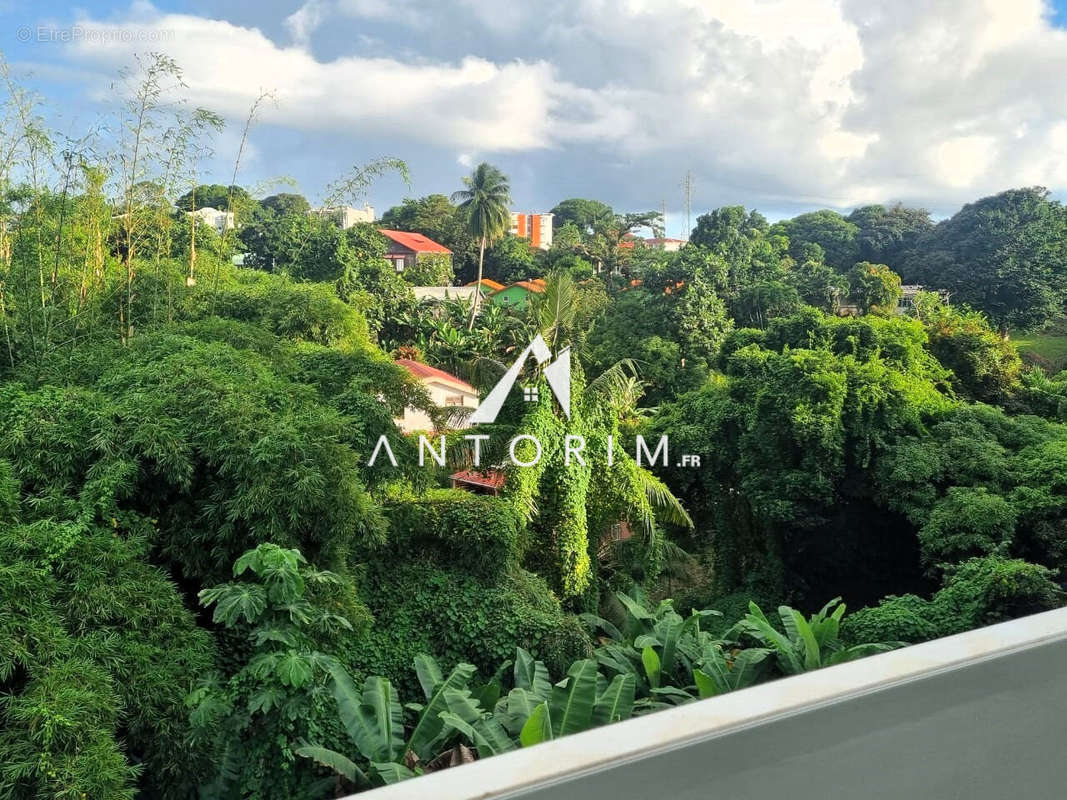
427, 374
445, 390
405, 248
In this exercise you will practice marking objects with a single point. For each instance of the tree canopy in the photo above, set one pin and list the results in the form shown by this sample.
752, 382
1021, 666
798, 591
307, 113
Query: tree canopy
1003, 255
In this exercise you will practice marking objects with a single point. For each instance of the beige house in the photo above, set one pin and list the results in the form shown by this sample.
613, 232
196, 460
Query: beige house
667, 245
436, 294
445, 390
219, 220
346, 216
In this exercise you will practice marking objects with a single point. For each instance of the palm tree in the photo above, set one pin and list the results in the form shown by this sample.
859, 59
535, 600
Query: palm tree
554, 310
485, 202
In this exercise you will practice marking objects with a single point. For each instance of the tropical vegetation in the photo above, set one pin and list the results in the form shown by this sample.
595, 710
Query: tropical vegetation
208, 591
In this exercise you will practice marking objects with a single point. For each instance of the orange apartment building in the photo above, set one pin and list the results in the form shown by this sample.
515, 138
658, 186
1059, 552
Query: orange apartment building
533, 226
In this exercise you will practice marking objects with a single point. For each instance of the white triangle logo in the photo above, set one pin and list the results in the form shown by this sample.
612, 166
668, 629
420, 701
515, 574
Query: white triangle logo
558, 375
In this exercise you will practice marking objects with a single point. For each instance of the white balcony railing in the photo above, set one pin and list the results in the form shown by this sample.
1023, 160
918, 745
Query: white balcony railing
978, 716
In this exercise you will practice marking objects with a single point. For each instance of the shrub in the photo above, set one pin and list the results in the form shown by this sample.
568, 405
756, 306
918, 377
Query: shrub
983, 591
908, 618
88, 624
967, 522
978, 592
288, 612
421, 607
473, 533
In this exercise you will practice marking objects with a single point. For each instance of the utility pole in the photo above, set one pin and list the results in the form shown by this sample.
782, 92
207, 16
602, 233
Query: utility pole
663, 217
687, 189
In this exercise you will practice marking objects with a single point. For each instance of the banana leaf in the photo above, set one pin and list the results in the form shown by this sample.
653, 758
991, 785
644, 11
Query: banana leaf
429, 728
538, 727
572, 704
616, 702
650, 659
531, 675
335, 761
391, 772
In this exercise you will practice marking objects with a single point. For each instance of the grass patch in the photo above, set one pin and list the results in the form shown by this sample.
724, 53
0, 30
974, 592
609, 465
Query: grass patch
1047, 348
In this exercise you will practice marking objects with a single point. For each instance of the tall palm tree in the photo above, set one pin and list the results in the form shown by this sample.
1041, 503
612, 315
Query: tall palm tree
485, 203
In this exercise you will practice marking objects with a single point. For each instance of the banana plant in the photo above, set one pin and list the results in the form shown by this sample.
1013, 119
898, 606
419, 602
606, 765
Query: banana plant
656, 646
467, 717
582, 700
532, 688
374, 721
722, 671
806, 644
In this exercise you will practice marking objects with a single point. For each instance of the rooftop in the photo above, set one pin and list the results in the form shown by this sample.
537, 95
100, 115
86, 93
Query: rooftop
426, 372
414, 241
489, 478
441, 292
488, 283
536, 285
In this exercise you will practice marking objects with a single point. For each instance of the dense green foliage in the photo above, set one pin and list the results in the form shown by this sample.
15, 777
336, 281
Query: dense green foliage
821, 429
1004, 255
450, 581
254, 719
97, 651
184, 437
977, 592
655, 659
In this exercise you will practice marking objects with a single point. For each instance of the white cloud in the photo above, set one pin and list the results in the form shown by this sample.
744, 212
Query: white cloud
303, 22
960, 161
472, 102
815, 101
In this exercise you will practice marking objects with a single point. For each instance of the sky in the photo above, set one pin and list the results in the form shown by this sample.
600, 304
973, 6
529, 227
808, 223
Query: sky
781, 105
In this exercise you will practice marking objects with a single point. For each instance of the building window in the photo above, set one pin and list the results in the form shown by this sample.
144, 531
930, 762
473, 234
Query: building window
529, 394
454, 400
399, 264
